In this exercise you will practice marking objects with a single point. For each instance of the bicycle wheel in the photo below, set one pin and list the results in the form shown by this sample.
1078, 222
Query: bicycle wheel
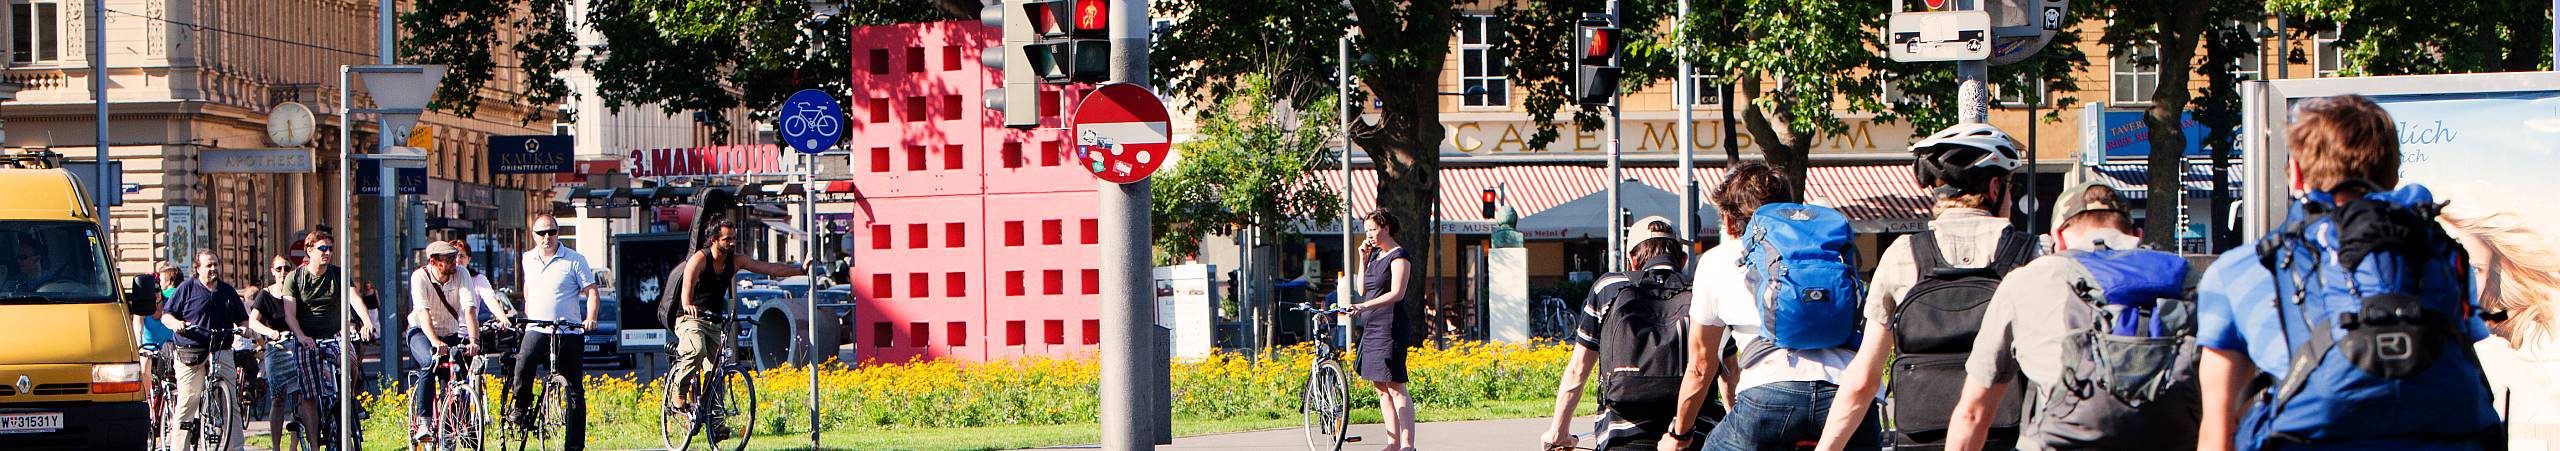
675, 418
1322, 407
461, 420
735, 413
218, 427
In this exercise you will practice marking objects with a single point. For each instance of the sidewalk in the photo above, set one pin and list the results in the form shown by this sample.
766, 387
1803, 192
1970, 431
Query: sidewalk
1512, 434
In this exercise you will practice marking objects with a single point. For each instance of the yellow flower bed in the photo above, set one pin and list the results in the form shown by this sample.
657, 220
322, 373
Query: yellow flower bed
1045, 390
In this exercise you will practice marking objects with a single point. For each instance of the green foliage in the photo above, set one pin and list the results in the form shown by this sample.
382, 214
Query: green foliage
1539, 36
706, 56
2398, 37
1253, 167
1292, 44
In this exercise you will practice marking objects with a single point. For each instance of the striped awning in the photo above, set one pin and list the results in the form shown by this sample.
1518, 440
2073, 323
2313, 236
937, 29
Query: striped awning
1877, 193
2132, 180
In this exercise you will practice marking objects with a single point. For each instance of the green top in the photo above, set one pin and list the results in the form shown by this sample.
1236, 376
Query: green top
317, 295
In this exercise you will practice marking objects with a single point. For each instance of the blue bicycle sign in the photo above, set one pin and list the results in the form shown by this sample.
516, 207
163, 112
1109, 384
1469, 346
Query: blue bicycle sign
812, 121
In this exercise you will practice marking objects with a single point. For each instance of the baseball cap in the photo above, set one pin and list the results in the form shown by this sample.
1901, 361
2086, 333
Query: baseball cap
442, 248
2075, 199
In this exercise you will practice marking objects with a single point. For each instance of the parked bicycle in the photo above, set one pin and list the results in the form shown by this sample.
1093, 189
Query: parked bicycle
715, 409
544, 427
1325, 404
456, 415
216, 424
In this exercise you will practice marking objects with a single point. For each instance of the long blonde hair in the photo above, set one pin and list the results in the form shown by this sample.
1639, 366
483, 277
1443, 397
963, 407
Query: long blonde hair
2524, 270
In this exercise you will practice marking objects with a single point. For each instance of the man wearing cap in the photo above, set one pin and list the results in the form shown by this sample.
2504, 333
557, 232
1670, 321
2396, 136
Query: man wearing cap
558, 286
441, 308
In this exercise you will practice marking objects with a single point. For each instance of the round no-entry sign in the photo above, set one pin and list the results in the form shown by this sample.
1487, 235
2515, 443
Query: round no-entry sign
1122, 133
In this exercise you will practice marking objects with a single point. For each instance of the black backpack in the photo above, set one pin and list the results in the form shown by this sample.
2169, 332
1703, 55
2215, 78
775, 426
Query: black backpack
1644, 341
1934, 327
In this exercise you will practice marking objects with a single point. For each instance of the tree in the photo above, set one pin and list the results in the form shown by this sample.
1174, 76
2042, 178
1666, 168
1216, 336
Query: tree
2218, 106
1403, 44
1252, 169
2175, 26
1798, 64
2399, 37
688, 56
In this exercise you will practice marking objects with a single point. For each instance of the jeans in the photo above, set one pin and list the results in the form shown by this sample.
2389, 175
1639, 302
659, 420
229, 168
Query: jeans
564, 358
429, 382
1782, 415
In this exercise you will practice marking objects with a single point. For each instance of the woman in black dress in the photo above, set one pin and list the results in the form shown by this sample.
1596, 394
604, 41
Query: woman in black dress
1387, 325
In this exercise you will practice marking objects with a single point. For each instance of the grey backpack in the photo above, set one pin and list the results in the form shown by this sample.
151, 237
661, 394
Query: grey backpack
2128, 374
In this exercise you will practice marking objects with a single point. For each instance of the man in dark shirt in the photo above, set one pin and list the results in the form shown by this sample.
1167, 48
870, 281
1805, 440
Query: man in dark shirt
202, 311
311, 293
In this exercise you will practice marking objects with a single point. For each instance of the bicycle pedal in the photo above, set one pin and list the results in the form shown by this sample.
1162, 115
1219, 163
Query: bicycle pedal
1351, 439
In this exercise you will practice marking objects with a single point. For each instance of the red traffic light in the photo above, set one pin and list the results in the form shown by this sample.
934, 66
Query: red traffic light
1599, 44
1489, 196
1092, 16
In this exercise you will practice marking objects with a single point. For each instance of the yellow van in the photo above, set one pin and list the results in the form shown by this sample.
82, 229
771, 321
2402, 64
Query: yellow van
70, 374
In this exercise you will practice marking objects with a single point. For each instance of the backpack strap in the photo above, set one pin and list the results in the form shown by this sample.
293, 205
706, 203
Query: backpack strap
1926, 255
2016, 249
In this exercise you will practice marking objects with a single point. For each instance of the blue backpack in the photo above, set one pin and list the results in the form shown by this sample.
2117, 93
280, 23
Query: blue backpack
1802, 270
2128, 374
2378, 315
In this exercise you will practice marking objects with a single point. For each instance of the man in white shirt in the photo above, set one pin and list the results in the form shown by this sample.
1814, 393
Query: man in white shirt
1781, 396
440, 319
555, 280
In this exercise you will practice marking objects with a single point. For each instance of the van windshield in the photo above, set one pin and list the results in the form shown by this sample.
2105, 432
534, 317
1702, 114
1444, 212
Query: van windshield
52, 262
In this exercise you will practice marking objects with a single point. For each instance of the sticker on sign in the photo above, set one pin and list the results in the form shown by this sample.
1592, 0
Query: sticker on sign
30, 423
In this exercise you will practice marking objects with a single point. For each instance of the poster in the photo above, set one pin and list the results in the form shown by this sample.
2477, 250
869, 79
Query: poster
179, 246
2493, 152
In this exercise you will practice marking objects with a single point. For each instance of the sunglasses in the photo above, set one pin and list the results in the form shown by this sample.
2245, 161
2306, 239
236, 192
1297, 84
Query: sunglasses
547, 232
324, 248
281, 268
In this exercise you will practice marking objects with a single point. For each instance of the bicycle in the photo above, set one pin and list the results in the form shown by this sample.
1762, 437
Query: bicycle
1324, 406
542, 428
457, 415
216, 424
317, 362
726, 408
163, 391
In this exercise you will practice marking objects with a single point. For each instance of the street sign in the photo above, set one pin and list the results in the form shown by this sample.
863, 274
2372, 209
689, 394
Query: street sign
401, 90
368, 177
1122, 133
2020, 28
531, 154
288, 160
812, 121
1939, 36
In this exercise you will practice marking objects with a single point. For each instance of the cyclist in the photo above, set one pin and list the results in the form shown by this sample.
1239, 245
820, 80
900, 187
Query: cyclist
707, 279
558, 286
195, 308
311, 293
269, 317
442, 305
155, 333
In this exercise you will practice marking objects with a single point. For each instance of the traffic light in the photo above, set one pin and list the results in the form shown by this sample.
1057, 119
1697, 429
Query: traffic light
1490, 198
1071, 40
1019, 96
1596, 47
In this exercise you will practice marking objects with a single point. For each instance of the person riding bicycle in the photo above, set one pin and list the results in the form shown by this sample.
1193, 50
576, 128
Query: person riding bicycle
195, 310
558, 286
443, 307
311, 293
707, 278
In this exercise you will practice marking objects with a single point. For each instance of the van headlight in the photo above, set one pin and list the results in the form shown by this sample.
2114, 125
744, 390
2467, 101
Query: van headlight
115, 378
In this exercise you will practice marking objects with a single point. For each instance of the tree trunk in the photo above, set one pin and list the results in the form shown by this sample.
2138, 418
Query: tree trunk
1781, 144
2222, 121
1404, 147
2177, 39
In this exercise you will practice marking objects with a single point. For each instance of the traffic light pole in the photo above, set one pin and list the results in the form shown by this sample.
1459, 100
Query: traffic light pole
1129, 357
1973, 88
1688, 99
1617, 233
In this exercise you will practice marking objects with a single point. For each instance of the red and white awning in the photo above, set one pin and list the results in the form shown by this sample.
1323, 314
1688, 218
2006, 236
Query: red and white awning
1874, 194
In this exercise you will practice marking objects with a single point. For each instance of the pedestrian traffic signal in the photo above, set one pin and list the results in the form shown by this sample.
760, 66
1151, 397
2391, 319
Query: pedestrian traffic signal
1490, 198
1595, 64
1070, 40
1018, 97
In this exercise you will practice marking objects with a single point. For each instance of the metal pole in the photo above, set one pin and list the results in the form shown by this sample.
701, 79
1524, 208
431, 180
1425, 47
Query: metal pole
386, 281
1128, 295
346, 286
1688, 94
2284, 68
1616, 228
809, 259
1973, 85
1342, 110
2555, 33
98, 91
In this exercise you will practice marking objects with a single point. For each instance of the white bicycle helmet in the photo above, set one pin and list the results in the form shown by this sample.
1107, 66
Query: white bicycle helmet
1963, 155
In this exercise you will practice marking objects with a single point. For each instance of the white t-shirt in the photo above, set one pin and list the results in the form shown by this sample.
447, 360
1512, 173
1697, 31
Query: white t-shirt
1722, 297
555, 286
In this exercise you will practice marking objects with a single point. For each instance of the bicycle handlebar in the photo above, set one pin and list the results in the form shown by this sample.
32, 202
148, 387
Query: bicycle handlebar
1302, 307
573, 326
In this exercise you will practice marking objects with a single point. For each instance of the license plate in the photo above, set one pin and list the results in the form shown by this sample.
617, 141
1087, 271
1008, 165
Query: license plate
28, 423
595, 348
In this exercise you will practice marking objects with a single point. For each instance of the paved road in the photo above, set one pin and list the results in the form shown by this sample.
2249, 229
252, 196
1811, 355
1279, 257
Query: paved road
1513, 434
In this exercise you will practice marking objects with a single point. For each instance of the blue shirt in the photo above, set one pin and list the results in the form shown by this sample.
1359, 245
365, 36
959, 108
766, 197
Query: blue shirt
217, 307
555, 286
